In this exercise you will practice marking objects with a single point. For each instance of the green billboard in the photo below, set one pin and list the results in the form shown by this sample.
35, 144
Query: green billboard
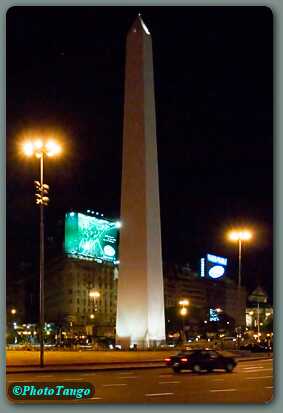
88, 237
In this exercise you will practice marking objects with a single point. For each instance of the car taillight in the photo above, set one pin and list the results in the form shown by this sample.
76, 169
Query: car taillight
184, 359
167, 359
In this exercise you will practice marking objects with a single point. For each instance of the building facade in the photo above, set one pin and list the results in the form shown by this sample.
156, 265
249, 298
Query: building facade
81, 295
203, 293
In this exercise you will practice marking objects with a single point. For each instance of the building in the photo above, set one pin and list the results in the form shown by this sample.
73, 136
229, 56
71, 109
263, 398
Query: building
204, 294
80, 295
259, 312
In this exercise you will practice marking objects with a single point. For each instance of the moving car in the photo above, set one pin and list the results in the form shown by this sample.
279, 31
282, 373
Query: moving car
197, 360
257, 347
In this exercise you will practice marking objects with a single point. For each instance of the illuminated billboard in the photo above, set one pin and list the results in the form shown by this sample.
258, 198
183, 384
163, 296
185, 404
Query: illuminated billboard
213, 314
89, 237
213, 266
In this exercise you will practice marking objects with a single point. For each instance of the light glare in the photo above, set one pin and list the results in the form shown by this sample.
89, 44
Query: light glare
94, 294
28, 148
243, 235
183, 311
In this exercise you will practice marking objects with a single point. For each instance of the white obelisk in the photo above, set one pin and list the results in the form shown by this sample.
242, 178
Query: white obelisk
140, 300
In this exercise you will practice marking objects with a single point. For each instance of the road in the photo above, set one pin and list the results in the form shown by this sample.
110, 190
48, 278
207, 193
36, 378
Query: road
250, 382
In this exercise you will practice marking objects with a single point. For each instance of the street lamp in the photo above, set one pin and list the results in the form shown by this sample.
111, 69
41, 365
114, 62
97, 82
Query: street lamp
240, 236
94, 294
40, 149
183, 312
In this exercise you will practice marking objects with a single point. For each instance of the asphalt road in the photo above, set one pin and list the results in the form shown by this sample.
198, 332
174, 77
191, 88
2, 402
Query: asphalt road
250, 382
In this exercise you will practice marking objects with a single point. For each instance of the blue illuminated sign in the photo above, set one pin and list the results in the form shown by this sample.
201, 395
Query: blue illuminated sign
216, 271
216, 260
202, 267
213, 314
213, 266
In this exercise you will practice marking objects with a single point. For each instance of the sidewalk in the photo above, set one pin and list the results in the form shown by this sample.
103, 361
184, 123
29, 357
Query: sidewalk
104, 366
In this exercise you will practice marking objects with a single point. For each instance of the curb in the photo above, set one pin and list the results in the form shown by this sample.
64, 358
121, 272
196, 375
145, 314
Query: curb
150, 365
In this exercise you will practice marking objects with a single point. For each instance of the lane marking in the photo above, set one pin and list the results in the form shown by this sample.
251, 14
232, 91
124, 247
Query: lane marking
94, 398
252, 367
47, 375
114, 384
218, 390
255, 365
258, 371
259, 377
158, 394
269, 387
169, 382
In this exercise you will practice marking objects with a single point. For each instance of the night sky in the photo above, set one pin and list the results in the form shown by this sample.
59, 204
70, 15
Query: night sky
213, 87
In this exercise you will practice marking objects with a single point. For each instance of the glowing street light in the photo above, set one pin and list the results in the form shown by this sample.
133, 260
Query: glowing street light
240, 236
94, 294
184, 302
13, 311
41, 148
183, 312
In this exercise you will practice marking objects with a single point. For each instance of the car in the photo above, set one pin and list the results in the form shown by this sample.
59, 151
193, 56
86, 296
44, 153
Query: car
257, 347
198, 360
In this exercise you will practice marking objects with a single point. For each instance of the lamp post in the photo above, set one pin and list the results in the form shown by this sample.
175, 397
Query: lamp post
40, 150
183, 312
240, 236
94, 294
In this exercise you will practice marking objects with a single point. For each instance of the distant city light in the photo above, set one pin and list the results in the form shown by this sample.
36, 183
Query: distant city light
94, 294
184, 302
183, 311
